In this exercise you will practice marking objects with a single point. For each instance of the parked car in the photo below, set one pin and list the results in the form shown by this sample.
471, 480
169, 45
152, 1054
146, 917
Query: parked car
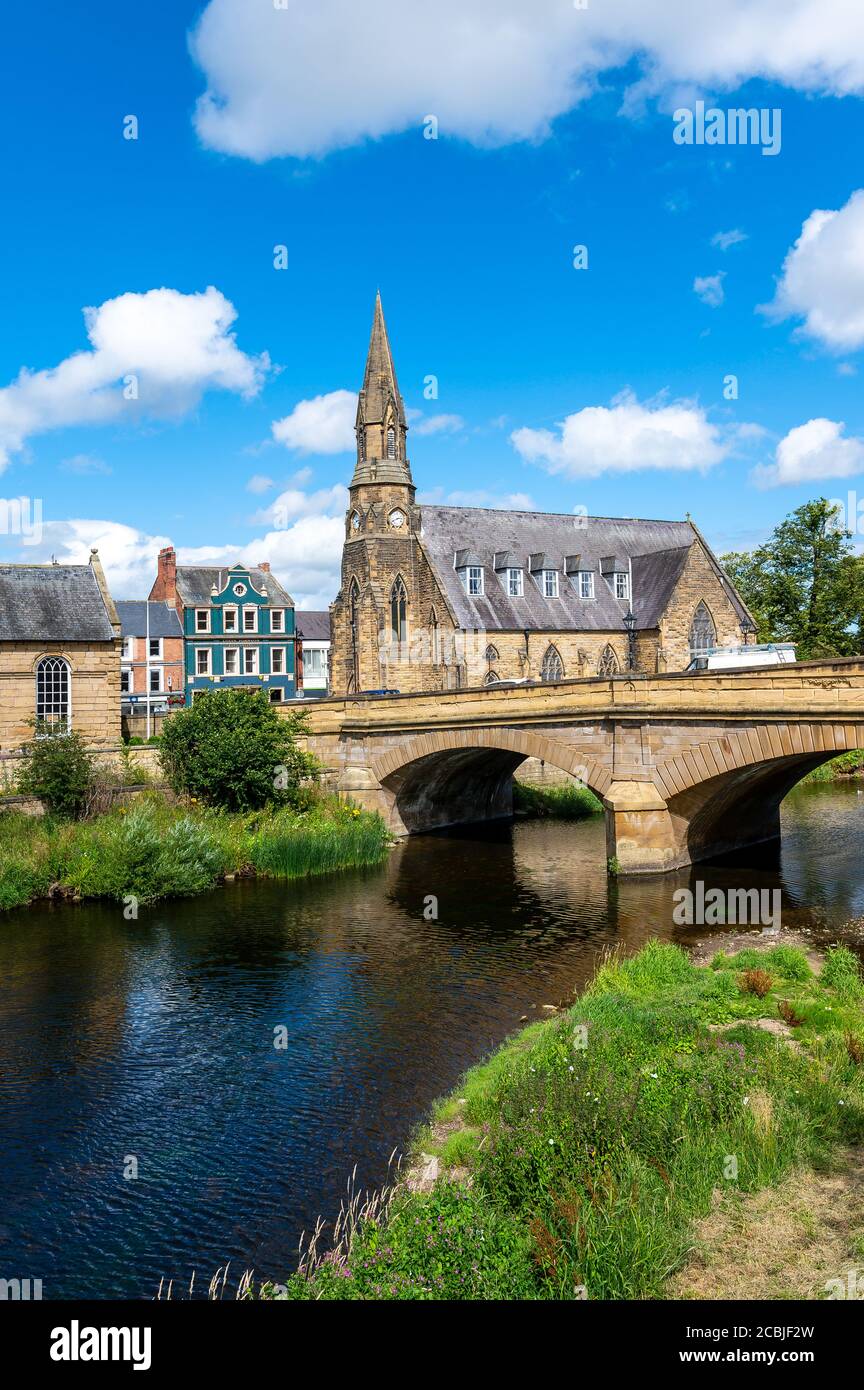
730, 658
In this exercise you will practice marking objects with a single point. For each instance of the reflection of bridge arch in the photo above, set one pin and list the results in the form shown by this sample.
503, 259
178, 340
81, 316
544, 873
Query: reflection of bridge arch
456, 775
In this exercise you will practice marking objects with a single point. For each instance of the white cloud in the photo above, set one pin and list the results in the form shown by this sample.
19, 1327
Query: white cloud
439, 424
811, 452
823, 277
85, 463
259, 483
306, 79
175, 346
726, 239
479, 497
710, 290
302, 541
625, 437
322, 425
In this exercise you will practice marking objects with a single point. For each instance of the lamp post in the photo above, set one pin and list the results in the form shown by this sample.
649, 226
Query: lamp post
630, 624
748, 629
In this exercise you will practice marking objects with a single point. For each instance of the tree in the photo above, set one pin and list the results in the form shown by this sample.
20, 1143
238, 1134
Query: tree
231, 748
58, 770
805, 584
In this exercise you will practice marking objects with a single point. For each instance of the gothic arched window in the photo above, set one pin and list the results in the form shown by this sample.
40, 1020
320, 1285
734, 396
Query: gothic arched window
399, 611
553, 667
53, 705
608, 664
703, 633
492, 678
391, 442
353, 602
491, 653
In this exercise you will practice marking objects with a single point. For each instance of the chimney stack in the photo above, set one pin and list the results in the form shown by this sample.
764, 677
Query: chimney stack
165, 587
265, 566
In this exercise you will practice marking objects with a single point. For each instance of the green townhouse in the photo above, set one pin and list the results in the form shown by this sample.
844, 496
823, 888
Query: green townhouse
238, 626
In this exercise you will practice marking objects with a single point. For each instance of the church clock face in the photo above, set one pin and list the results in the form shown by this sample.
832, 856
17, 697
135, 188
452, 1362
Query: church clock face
397, 519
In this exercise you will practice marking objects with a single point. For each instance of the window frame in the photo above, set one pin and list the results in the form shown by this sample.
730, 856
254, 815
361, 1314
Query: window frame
199, 613
247, 609
280, 652
235, 652
231, 610
207, 653
280, 626
514, 572
621, 585
545, 577
582, 576
253, 652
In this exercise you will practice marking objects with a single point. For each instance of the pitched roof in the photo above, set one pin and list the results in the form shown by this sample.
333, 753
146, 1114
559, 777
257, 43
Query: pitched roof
313, 625
132, 612
52, 603
657, 549
195, 584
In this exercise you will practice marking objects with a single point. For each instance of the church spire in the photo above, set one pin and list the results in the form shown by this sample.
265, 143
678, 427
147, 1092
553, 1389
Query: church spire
381, 424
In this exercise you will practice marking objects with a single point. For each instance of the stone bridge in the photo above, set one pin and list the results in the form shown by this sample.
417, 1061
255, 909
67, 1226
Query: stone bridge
687, 766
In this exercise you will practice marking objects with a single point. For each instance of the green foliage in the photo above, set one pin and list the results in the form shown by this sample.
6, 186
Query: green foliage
570, 802
842, 972
595, 1140
805, 584
846, 765
155, 850
232, 749
58, 770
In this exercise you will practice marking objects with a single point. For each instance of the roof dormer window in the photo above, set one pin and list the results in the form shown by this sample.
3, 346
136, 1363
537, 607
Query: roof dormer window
549, 580
585, 580
472, 579
515, 583
621, 581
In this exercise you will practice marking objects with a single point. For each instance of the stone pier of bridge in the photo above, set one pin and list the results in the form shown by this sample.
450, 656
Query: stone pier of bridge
687, 767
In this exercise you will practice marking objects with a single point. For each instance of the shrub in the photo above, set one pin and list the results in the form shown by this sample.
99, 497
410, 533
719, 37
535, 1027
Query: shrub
789, 1014
756, 982
232, 749
58, 770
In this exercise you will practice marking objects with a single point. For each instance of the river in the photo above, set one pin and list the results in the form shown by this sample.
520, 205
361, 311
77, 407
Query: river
148, 1047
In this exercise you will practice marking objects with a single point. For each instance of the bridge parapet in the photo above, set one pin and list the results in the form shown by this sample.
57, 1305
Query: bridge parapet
687, 765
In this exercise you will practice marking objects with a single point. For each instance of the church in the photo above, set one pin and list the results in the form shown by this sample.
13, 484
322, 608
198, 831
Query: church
445, 598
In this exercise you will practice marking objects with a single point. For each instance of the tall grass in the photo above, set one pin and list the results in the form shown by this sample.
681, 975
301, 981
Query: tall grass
569, 802
154, 849
596, 1140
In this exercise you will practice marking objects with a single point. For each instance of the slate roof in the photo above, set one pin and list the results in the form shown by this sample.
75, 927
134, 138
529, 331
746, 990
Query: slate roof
195, 582
657, 550
132, 612
313, 625
52, 603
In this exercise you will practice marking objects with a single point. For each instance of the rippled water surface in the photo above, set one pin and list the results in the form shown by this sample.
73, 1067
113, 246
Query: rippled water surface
154, 1040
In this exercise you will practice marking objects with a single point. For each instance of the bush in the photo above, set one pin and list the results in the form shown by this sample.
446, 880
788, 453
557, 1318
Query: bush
58, 770
142, 852
756, 982
842, 971
232, 749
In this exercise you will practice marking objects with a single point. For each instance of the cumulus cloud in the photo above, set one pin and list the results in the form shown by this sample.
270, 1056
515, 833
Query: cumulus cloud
306, 79
811, 452
710, 290
822, 281
301, 536
259, 482
152, 355
322, 425
625, 437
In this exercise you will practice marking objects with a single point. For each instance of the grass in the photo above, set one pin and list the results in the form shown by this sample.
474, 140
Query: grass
570, 802
848, 764
155, 849
594, 1143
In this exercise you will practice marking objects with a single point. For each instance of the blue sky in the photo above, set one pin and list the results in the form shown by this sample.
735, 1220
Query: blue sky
470, 238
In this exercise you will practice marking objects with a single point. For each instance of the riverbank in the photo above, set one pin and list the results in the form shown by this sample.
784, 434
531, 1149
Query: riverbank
568, 802
579, 1160
160, 849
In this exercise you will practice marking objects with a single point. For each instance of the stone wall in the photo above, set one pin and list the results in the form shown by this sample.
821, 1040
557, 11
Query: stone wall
95, 689
699, 582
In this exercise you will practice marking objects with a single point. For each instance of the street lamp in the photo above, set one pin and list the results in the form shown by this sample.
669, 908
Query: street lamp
748, 629
630, 624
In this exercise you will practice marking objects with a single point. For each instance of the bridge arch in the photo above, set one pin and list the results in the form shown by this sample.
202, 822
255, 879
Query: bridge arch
459, 775
725, 793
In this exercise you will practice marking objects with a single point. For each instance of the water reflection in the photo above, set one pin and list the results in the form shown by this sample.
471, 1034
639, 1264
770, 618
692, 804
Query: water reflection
154, 1040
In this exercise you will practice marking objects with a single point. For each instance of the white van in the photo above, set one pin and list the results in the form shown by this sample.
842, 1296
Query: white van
758, 654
